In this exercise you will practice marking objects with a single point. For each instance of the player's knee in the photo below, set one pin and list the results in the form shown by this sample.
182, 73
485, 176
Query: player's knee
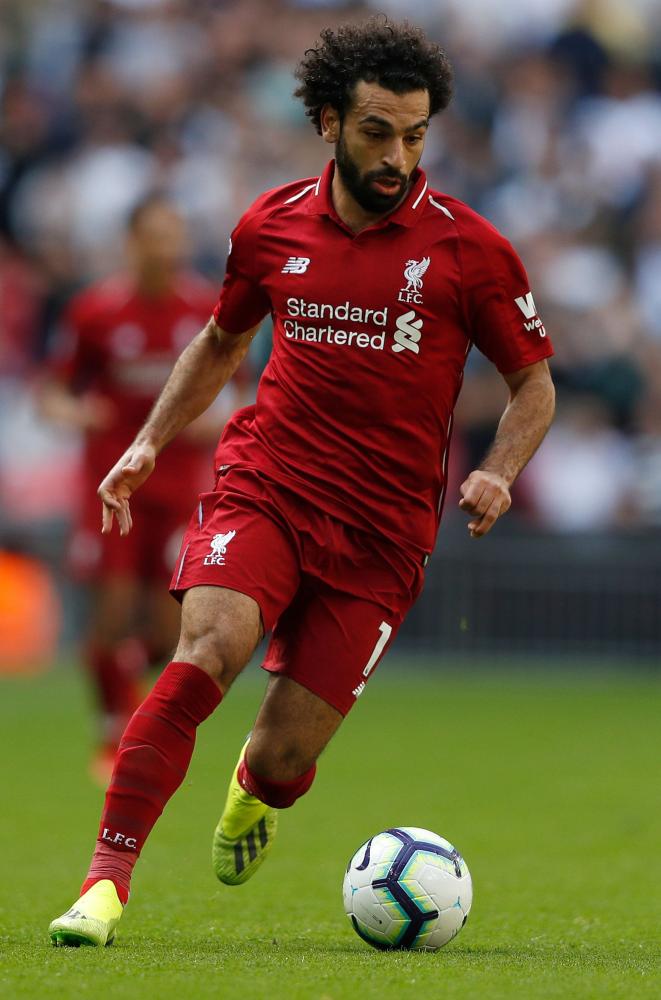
108, 630
212, 651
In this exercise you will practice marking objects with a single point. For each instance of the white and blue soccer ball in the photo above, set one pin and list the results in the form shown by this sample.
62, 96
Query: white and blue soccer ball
407, 888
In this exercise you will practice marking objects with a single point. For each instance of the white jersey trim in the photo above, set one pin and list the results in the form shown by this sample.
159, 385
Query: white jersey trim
444, 466
419, 198
300, 194
441, 208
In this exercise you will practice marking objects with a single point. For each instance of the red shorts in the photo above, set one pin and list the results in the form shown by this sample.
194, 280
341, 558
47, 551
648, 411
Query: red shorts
148, 553
333, 595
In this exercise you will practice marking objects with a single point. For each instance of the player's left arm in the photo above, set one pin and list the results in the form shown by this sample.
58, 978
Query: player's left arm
485, 494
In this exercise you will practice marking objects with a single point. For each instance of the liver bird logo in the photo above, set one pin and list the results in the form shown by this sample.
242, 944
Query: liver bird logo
219, 543
414, 271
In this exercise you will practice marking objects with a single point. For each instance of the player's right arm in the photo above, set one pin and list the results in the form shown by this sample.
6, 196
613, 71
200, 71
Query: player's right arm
86, 412
67, 393
201, 371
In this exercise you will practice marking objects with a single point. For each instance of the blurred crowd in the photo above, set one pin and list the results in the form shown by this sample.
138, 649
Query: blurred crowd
554, 135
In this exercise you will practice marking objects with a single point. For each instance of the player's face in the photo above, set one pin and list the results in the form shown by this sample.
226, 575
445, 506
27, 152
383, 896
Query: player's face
158, 242
380, 143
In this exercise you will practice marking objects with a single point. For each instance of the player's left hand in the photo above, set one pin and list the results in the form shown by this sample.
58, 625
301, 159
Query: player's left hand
486, 495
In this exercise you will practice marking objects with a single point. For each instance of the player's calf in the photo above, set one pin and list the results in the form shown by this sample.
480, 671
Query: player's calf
247, 827
278, 794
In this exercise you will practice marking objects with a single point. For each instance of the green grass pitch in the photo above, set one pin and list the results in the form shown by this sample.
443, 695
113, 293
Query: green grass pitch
548, 784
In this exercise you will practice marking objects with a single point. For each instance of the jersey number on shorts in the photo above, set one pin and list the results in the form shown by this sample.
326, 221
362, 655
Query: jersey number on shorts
386, 631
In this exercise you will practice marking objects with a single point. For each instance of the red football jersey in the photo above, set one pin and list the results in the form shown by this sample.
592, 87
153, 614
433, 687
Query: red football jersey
122, 345
371, 334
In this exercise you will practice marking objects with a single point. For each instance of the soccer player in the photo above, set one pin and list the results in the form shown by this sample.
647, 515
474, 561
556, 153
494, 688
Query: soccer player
117, 344
329, 490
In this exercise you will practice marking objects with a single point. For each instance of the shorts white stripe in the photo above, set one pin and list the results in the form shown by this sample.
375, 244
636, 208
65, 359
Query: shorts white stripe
181, 566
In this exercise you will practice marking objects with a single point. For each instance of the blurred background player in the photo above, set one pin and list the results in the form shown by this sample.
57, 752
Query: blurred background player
118, 341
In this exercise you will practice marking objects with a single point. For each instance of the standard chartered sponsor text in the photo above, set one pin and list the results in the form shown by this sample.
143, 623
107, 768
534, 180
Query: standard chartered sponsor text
374, 319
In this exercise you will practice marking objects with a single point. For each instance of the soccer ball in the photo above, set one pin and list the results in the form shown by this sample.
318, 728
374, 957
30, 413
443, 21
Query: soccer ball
407, 888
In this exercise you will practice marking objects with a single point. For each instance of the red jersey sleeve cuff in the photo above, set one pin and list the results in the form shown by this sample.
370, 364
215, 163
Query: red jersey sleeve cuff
227, 322
511, 365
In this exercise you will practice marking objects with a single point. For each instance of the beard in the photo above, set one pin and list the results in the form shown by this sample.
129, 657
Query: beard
360, 186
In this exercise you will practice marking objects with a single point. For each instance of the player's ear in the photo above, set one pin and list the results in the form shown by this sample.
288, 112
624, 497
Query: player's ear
330, 123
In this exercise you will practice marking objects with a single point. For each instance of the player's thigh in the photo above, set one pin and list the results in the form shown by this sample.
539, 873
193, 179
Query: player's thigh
220, 630
160, 546
107, 569
292, 728
237, 571
114, 607
331, 643
238, 541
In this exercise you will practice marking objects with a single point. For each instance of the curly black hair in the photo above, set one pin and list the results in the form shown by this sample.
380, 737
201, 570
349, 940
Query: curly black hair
397, 56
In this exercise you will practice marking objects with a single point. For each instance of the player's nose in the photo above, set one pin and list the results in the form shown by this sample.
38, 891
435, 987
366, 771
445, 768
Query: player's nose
394, 156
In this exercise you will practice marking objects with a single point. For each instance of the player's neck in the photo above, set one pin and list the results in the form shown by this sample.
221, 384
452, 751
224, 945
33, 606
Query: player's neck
153, 283
350, 212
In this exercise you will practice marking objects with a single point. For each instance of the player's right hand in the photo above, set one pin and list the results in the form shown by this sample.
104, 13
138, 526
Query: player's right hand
94, 412
133, 468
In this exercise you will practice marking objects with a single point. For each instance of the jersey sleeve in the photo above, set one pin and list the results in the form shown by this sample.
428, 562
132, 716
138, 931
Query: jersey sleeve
501, 311
242, 303
71, 356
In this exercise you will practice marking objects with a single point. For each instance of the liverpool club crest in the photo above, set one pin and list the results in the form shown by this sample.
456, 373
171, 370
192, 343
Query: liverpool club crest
414, 272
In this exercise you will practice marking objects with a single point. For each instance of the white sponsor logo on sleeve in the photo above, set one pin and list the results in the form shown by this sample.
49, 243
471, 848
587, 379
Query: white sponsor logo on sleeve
532, 322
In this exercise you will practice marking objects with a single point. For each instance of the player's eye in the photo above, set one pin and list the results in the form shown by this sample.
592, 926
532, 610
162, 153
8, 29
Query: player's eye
375, 135
413, 140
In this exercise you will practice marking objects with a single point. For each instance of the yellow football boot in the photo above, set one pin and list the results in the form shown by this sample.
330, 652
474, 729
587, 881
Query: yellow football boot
91, 920
244, 834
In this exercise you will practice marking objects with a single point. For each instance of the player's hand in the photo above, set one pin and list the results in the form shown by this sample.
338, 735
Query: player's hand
133, 468
485, 495
95, 413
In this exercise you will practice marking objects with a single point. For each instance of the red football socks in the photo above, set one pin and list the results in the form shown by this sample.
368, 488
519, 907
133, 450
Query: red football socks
279, 794
152, 760
115, 674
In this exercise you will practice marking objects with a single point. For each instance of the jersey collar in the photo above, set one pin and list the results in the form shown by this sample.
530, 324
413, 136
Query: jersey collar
407, 214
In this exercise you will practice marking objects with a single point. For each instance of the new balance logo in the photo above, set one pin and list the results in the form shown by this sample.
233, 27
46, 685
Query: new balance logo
527, 306
296, 265
408, 333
